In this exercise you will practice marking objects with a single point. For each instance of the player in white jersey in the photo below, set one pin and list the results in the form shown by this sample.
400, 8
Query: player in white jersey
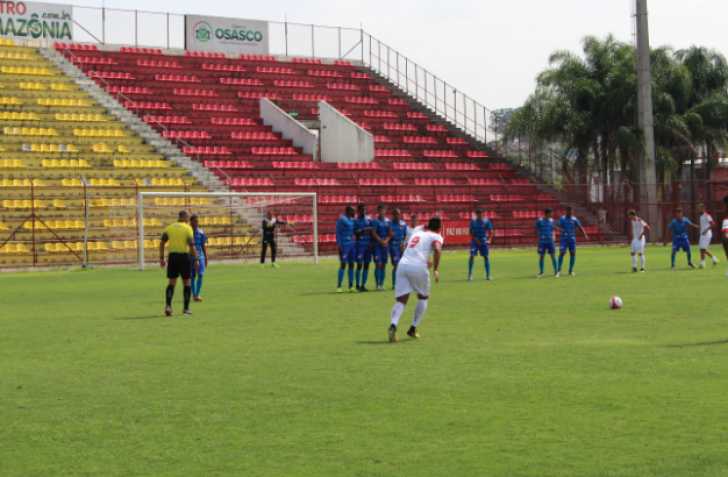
413, 227
412, 275
724, 229
639, 229
706, 235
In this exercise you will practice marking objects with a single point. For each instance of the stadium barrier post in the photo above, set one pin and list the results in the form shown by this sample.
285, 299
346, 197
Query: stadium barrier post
85, 233
140, 221
315, 229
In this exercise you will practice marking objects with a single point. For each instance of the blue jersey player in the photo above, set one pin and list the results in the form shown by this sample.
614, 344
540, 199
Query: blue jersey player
479, 241
382, 235
363, 234
567, 225
396, 245
201, 246
347, 246
545, 227
679, 227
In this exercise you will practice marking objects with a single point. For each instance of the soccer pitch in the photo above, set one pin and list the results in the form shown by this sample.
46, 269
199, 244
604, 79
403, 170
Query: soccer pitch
275, 375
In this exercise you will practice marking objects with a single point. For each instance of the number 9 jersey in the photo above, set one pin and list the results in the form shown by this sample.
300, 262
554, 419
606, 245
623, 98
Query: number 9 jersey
419, 248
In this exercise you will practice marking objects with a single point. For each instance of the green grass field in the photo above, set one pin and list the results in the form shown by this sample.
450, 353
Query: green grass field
275, 375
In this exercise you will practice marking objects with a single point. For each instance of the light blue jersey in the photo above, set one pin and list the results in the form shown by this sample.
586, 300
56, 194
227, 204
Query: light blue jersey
569, 225
680, 229
382, 228
344, 231
360, 224
545, 229
480, 229
200, 240
400, 230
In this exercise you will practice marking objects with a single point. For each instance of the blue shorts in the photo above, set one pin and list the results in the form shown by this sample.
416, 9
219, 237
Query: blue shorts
544, 248
200, 271
570, 246
681, 244
363, 253
483, 249
394, 254
348, 253
380, 254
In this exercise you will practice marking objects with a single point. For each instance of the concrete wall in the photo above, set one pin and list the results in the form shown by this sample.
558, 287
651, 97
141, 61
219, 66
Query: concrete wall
291, 129
342, 140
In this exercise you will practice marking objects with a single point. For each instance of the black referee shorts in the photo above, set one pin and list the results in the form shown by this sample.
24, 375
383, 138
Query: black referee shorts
179, 265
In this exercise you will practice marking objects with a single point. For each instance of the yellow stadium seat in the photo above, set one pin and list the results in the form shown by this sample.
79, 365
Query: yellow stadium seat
73, 117
26, 204
99, 117
126, 163
71, 148
3, 226
10, 248
39, 204
83, 163
65, 163
26, 182
35, 147
38, 183
123, 149
70, 224
82, 103
76, 182
54, 148
52, 132
58, 203
45, 148
21, 248
8, 204
119, 133
117, 245
161, 164
15, 116
18, 164
101, 246
118, 163
112, 182
74, 163
77, 132
55, 163
8, 131
94, 182
25, 131
49, 247
65, 182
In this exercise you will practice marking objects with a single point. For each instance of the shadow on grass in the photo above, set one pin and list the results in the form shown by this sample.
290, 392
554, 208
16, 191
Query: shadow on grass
704, 343
152, 317
384, 342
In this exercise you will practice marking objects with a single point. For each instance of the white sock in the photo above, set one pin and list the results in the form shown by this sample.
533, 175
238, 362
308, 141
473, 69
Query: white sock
397, 311
702, 262
634, 261
420, 310
644, 260
715, 260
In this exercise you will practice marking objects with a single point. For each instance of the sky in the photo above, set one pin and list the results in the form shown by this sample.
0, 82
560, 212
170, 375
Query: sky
489, 50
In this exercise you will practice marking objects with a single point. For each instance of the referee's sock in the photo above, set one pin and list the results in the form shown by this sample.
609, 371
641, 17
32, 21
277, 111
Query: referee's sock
188, 295
169, 294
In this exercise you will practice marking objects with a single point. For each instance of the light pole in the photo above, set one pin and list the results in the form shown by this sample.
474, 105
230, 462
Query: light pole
647, 179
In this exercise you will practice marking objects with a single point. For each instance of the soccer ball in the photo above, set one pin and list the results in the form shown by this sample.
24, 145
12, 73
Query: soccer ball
615, 303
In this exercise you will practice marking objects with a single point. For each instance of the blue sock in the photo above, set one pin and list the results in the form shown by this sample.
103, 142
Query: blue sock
561, 261
690, 258
487, 268
470, 266
358, 277
572, 261
556, 266
351, 277
673, 259
380, 276
341, 276
364, 276
540, 264
394, 278
199, 286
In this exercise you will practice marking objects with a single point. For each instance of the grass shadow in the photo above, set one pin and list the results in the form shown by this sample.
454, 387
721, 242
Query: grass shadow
704, 343
152, 317
383, 342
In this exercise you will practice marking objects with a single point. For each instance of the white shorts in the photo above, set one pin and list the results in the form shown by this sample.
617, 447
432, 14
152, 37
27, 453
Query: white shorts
412, 279
705, 241
638, 246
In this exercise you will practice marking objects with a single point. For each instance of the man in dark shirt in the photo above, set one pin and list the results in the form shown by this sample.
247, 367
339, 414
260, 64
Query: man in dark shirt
269, 237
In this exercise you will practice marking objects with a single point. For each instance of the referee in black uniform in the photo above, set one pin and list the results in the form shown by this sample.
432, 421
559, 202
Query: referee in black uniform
269, 237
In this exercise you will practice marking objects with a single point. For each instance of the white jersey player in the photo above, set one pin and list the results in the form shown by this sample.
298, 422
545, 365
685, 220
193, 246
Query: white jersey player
639, 229
724, 229
706, 235
413, 227
412, 275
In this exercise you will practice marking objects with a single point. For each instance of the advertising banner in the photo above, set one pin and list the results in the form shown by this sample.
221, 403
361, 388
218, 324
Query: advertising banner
456, 231
215, 34
36, 21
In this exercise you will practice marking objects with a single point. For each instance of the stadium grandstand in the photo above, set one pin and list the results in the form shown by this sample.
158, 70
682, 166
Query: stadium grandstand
108, 122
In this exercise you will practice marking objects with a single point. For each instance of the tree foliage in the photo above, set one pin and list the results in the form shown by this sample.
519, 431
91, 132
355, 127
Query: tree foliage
589, 103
